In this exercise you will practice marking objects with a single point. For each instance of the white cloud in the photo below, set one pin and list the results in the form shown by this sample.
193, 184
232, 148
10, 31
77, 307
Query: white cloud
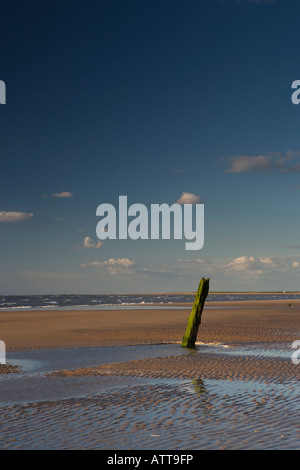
270, 163
113, 265
189, 198
241, 263
120, 261
244, 163
11, 217
118, 265
250, 264
87, 243
266, 260
63, 194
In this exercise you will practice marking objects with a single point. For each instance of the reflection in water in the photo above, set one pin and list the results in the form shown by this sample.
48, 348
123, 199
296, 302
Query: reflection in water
196, 387
191, 351
199, 387
198, 392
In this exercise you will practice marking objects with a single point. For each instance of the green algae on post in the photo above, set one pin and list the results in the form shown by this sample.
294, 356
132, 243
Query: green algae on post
190, 336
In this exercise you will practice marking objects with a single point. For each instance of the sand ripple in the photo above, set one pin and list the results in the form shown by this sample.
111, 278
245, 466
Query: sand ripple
203, 365
160, 415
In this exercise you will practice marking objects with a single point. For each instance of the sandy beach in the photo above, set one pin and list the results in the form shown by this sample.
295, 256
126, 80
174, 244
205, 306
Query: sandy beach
243, 321
119, 379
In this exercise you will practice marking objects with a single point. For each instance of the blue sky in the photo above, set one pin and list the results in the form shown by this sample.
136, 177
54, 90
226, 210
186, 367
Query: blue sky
149, 99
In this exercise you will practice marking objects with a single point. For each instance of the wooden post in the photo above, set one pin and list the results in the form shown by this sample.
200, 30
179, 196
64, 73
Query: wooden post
190, 336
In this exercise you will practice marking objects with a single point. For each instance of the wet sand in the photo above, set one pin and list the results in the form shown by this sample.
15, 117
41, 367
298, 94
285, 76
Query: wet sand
221, 321
238, 389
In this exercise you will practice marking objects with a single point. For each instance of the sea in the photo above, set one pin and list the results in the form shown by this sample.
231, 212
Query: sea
125, 301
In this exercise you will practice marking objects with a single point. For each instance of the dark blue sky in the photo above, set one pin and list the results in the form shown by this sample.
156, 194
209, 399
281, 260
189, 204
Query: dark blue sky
149, 99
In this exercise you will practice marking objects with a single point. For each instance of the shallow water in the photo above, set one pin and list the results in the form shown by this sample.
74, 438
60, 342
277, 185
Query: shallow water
119, 412
160, 414
69, 358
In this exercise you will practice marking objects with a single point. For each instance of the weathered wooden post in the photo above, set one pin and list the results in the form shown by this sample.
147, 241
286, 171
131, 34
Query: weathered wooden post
190, 336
